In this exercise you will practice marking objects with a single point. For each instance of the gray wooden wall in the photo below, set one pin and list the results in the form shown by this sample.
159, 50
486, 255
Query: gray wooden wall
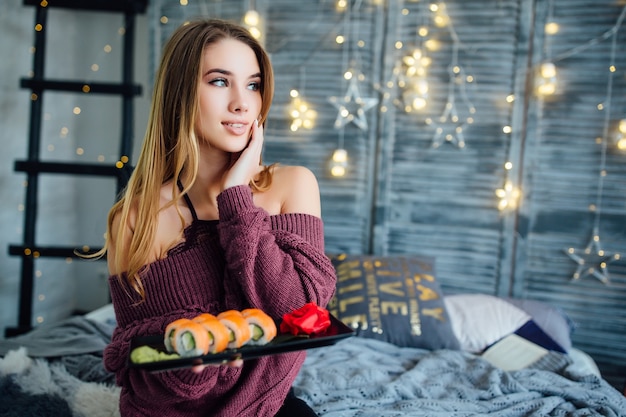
409, 190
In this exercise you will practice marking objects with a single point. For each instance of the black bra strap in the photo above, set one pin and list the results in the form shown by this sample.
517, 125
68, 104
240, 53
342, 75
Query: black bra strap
188, 201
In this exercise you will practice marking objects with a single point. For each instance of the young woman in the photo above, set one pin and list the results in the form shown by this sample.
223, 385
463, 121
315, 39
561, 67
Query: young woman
203, 226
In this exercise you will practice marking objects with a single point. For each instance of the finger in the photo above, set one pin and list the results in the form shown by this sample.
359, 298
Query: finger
198, 368
237, 363
257, 138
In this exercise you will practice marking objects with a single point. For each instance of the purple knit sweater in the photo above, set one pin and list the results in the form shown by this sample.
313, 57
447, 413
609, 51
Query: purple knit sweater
246, 259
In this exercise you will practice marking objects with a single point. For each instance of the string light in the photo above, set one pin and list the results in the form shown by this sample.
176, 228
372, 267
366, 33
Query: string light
413, 80
509, 196
300, 112
620, 135
450, 125
546, 74
253, 22
552, 28
545, 81
339, 163
351, 106
593, 259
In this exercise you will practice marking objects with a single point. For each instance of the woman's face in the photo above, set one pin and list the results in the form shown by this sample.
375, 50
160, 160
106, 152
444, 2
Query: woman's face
229, 95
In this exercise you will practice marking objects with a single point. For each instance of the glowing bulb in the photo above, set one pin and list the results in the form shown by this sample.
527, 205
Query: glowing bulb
340, 155
432, 45
255, 32
419, 103
337, 171
251, 18
548, 70
552, 28
339, 163
408, 60
441, 20
509, 196
622, 125
546, 89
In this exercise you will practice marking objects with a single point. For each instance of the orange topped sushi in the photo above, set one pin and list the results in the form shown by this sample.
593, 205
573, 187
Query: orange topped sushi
187, 338
262, 326
217, 331
238, 327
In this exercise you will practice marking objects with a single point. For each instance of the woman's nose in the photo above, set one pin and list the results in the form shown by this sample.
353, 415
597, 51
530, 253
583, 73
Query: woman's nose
239, 103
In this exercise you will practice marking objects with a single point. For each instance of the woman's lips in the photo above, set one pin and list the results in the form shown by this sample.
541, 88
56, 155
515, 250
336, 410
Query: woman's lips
236, 128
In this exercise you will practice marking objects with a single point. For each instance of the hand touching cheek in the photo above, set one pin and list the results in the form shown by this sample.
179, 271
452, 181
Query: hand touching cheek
245, 165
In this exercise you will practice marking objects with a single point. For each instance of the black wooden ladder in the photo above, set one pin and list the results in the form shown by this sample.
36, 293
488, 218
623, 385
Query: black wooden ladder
33, 166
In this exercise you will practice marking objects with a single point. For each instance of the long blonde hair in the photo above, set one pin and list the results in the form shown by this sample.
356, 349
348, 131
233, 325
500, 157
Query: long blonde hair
170, 147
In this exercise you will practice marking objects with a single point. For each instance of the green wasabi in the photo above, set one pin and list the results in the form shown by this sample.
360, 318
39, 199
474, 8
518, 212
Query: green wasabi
145, 354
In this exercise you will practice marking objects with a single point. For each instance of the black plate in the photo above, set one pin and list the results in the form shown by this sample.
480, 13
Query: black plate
282, 343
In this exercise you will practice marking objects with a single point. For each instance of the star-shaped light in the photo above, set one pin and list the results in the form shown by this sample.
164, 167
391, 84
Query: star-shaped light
388, 89
592, 260
449, 126
448, 129
352, 107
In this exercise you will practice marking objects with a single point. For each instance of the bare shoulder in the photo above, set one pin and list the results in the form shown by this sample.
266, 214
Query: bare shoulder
298, 188
294, 174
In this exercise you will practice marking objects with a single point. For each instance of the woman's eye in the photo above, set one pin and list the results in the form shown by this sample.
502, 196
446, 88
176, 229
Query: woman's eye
254, 86
220, 82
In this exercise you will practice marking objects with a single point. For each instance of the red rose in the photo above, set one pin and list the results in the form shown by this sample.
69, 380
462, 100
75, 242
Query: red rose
308, 319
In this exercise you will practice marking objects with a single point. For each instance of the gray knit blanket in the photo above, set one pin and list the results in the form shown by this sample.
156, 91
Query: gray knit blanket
356, 377
369, 378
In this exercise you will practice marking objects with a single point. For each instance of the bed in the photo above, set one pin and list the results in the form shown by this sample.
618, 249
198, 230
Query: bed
441, 370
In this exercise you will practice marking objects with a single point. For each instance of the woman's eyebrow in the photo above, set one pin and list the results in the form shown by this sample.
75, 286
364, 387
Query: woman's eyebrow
226, 72
218, 70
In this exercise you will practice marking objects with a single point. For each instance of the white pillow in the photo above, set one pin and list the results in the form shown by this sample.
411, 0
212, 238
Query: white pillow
479, 320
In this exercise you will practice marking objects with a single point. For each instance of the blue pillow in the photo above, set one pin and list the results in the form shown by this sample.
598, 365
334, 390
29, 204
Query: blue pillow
395, 299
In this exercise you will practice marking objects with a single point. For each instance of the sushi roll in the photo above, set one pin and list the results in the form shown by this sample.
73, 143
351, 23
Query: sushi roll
187, 338
217, 331
238, 328
169, 334
262, 326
